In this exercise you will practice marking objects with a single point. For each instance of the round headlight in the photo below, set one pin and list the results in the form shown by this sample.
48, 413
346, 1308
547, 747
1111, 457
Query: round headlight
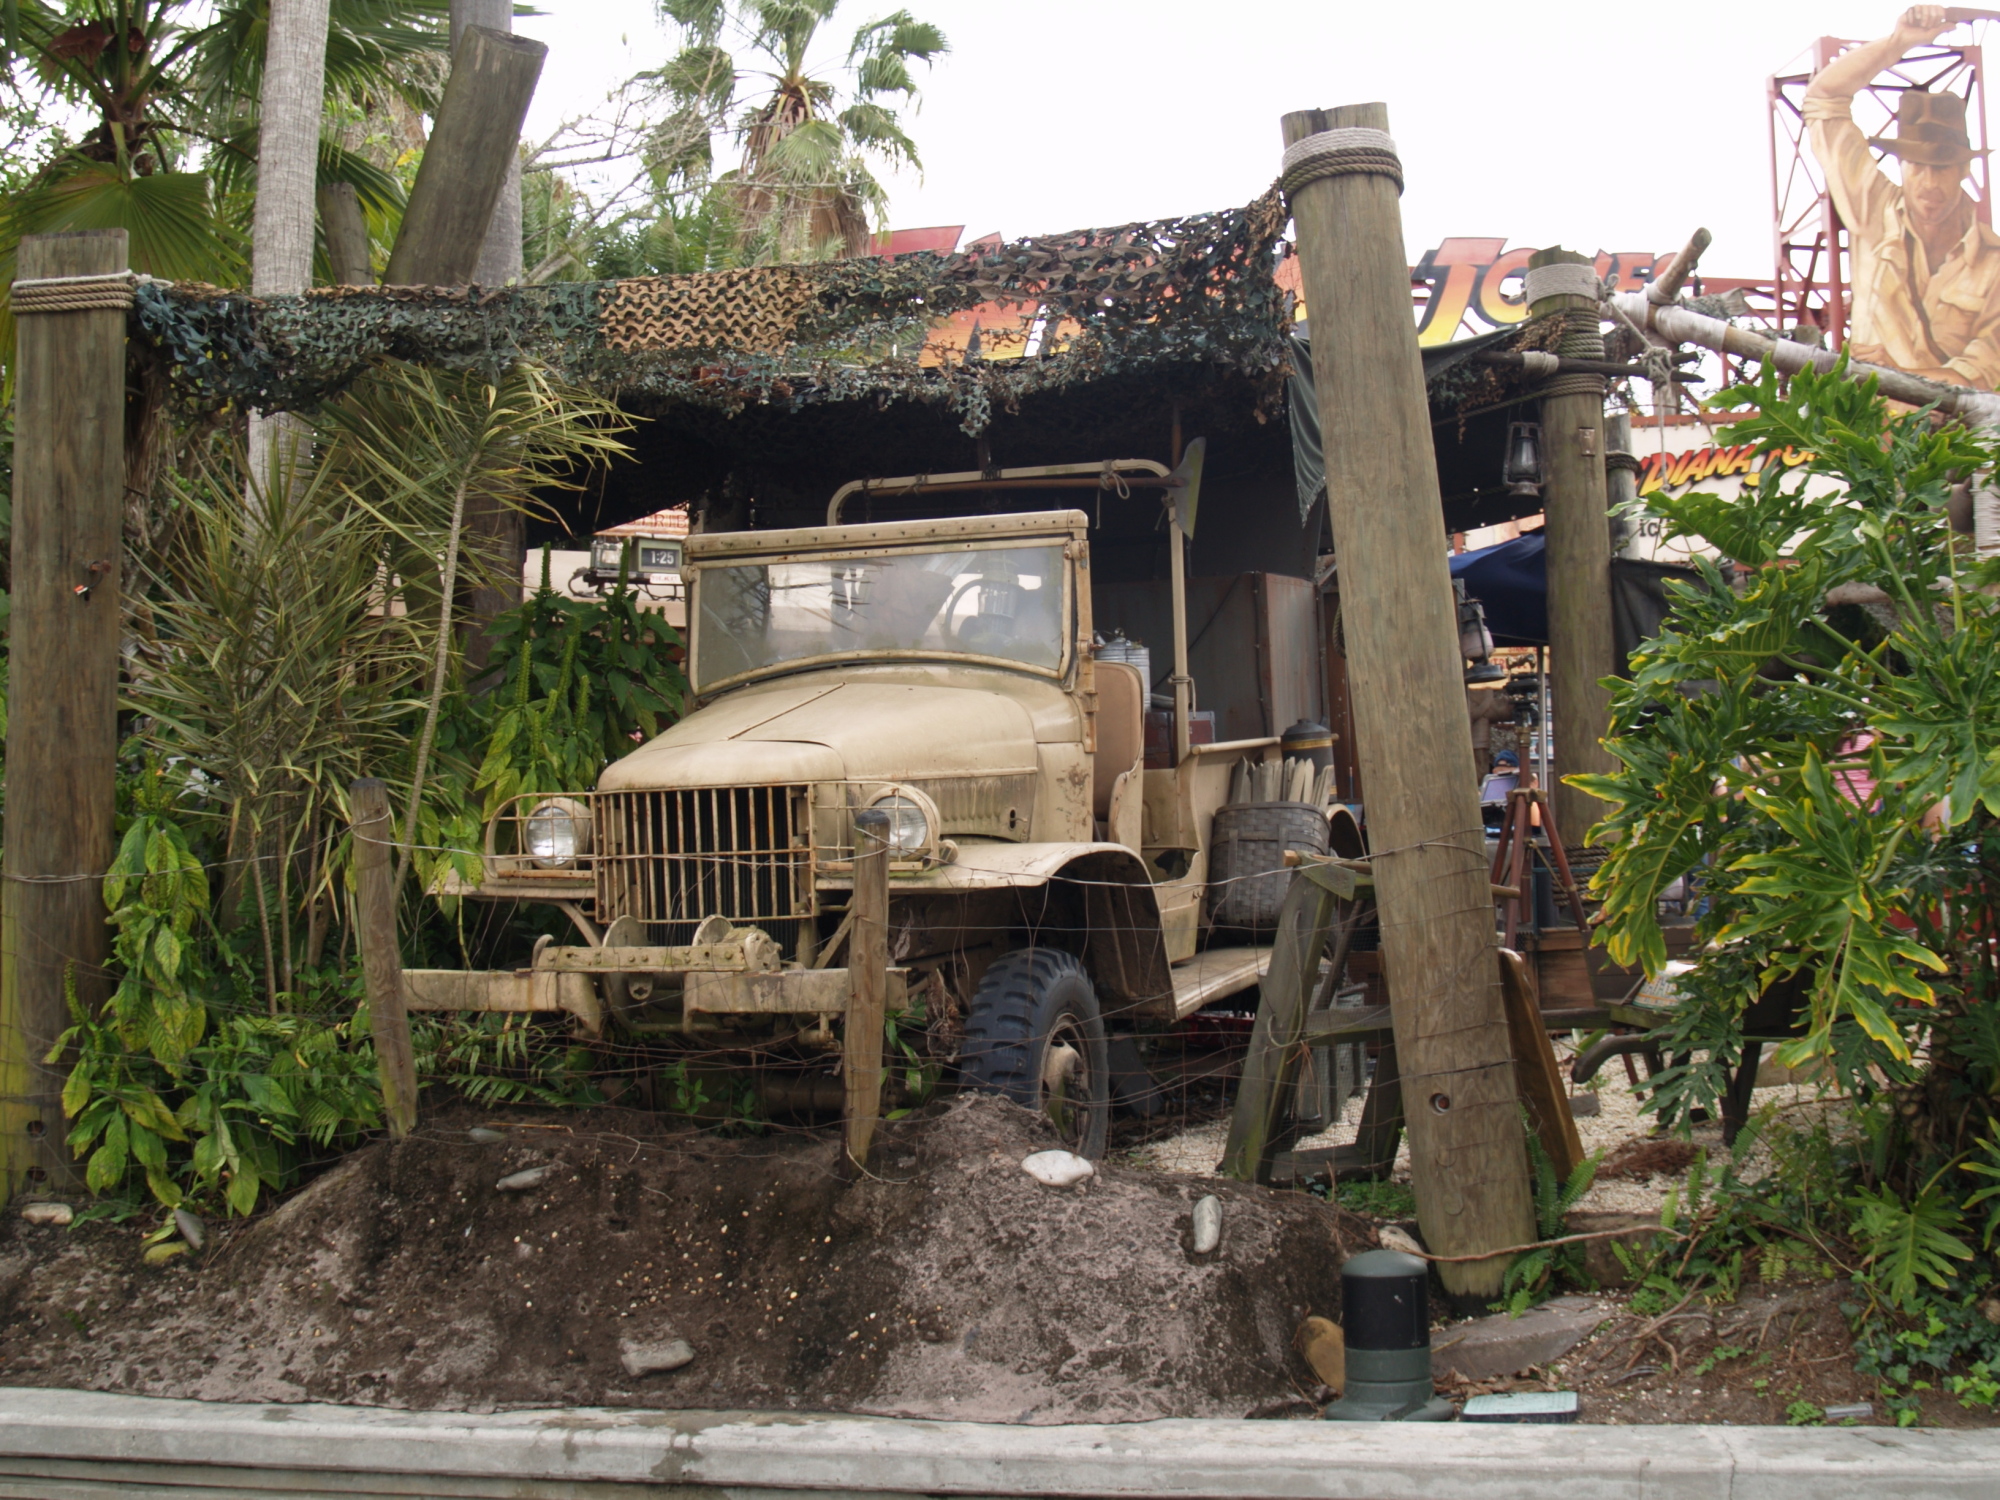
909, 829
557, 832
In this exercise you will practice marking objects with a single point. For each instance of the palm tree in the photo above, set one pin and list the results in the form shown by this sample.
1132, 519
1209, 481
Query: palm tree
173, 87
281, 247
805, 187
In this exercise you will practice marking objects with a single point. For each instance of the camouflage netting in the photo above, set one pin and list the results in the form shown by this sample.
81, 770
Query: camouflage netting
1189, 292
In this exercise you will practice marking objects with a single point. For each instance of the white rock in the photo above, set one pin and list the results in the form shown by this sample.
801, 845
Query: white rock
1207, 1224
655, 1358
192, 1229
1393, 1238
520, 1182
54, 1215
1057, 1168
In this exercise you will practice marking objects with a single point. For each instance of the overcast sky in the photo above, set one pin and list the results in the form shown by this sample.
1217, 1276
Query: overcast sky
1596, 126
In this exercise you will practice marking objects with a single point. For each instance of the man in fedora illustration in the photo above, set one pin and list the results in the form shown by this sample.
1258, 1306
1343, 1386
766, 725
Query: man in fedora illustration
1925, 272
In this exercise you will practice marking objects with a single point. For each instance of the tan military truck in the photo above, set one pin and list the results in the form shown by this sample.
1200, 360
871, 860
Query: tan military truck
1045, 886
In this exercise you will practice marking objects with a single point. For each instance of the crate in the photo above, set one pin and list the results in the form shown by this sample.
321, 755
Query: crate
1246, 860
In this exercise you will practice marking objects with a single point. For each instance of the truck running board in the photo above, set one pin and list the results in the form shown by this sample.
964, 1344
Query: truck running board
1215, 975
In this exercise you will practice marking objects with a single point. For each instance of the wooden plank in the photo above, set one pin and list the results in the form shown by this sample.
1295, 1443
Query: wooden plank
1544, 1094
381, 957
1272, 1062
867, 994
1382, 1116
1291, 1168
62, 736
1399, 619
1348, 1023
1216, 974
465, 165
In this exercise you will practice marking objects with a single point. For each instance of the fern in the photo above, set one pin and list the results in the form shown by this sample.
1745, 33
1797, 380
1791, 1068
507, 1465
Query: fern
1532, 1276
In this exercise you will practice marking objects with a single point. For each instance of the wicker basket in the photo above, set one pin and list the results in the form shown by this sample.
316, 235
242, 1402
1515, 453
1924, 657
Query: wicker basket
1246, 860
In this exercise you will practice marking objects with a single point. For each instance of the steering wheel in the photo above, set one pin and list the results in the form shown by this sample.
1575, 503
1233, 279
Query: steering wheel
951, 624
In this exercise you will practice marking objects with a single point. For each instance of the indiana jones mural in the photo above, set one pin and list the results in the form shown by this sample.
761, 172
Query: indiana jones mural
1925, 272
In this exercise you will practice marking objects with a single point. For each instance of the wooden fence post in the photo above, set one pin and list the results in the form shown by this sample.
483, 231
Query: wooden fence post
381, 959
465, 166
1469, 1162
867, 987
1581, 649
62, 731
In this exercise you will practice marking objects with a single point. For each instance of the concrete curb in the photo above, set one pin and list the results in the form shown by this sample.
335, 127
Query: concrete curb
57, 1444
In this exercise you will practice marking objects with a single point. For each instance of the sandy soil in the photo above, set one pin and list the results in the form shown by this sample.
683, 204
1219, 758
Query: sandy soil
1616, 1128
949, 1284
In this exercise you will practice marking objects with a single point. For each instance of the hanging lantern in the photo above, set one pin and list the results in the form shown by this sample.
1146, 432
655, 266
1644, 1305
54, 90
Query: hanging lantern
1475, 641
1522, 470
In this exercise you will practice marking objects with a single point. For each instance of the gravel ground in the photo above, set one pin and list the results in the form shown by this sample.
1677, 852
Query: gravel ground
1619, 1123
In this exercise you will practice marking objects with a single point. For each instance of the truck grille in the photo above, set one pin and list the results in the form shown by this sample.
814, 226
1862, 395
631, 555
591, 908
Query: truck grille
671, 858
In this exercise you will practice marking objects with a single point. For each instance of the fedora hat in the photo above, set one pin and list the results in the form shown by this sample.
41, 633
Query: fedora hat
1930, 130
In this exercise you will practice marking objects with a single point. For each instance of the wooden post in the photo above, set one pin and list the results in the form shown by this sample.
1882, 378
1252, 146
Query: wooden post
465, 166
345, 228
500, 255
1544, 1093
1469, 1163
1271, 1065
1581, 648
867, 987
381, 960
62, 732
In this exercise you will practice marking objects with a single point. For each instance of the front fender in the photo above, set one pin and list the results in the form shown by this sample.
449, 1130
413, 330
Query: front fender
1106, 884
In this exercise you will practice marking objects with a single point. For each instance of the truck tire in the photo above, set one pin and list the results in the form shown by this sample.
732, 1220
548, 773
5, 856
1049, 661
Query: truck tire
1034, 1034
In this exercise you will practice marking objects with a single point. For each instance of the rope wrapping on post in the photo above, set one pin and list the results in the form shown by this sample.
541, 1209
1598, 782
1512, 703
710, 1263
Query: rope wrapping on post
112, 292
1582, 338
1341, 153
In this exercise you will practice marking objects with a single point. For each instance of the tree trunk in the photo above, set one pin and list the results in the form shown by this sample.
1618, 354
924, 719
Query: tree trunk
500, 255
281, 234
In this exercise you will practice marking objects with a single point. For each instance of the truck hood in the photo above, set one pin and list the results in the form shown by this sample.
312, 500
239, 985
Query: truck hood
825, 731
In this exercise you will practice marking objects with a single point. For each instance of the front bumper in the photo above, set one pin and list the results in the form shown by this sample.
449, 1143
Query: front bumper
736, 978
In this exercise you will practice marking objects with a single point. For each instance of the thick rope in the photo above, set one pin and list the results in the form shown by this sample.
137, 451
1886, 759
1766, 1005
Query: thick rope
111, 292
1341, 153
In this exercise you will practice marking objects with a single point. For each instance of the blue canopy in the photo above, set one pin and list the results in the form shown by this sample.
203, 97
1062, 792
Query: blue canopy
1512, 581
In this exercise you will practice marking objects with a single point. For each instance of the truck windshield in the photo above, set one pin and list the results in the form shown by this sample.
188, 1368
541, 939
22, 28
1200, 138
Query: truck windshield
996, 602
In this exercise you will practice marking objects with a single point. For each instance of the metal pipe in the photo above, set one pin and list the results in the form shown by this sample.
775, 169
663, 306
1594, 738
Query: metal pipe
1177, 575
1144, 471
1683, 325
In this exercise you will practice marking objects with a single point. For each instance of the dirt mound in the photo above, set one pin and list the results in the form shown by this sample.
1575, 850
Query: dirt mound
949, 1284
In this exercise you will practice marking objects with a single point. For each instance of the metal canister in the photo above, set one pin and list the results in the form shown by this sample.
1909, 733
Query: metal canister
1385, 1315
1306, 740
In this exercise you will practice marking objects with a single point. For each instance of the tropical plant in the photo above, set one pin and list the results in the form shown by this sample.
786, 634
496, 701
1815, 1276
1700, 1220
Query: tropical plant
1532, 1276
170, 91
415, 447
588, 676
804, 187
294, 647
1829, 776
